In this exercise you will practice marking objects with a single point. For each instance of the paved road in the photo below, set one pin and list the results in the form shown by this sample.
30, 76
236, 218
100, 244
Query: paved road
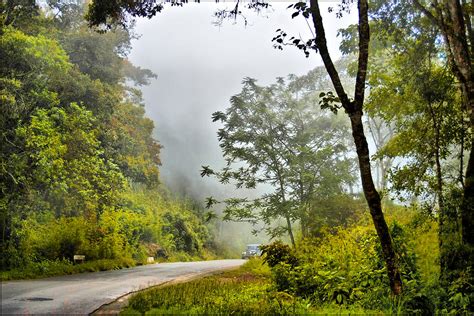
81, 294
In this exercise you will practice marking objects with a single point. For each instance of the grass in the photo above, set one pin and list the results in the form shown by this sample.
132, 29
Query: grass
244, 291
224, 294
50, 268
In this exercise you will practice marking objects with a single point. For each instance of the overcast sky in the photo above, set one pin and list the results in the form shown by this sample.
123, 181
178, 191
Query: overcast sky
200, 66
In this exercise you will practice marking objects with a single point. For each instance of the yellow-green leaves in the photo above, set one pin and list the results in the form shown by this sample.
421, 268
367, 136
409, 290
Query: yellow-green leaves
64, 159
32, 53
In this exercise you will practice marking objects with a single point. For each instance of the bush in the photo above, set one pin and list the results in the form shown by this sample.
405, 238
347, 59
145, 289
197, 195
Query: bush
145, 225
347, 269
278, 252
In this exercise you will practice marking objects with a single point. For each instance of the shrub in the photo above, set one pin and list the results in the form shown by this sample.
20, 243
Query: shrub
347, 268
278, 252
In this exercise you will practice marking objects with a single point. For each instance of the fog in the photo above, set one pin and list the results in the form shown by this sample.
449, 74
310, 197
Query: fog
200, 66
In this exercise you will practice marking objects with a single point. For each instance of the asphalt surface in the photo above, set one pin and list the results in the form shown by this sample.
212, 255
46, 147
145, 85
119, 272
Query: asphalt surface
81, 294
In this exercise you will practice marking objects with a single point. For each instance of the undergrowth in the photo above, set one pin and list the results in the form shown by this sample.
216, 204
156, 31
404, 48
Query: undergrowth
48, 268
248, 290
340, 272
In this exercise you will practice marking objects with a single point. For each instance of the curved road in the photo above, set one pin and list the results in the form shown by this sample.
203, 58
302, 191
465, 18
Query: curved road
84, 293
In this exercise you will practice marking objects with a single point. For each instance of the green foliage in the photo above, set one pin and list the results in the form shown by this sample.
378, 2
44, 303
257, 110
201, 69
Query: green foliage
96, 54
116, 12
278, 252
427, 129
170, 229
78, 163
47, 268
135, 151
339, 272
18, 13
24, 54
79, 169
64, 159
327, 211
431, 130
339, 268
245, 291
274, 135
180, 228
346, 268
418, 93
29, 66
240, 292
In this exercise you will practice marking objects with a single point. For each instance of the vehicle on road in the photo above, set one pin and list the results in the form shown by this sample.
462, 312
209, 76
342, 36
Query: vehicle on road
252, 250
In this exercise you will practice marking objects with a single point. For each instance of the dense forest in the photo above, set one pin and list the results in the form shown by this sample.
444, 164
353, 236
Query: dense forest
79, 166
406, 85
364, 166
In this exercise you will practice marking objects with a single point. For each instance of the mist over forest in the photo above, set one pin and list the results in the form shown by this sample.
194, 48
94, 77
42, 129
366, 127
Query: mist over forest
197, 76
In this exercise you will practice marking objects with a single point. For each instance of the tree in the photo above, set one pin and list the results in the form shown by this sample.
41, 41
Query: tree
275, 136
454, 21
128, 138
411, 36
432, 132
62, 163
428, 135
23, 63
354, 108
17, 12
68, 141
452, 18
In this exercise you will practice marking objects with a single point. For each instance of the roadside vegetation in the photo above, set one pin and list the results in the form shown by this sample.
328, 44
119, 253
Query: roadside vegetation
339, 272
79, 167
240, 290
49, 268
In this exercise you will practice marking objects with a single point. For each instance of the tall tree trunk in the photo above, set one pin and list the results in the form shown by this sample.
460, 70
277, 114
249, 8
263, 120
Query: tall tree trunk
442, 216
355, 110
303, 210
374, 202
287, 213
382, 164
461, 153
449, 17
290, 231
386, 165
467, 207
304, 220
459, 49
